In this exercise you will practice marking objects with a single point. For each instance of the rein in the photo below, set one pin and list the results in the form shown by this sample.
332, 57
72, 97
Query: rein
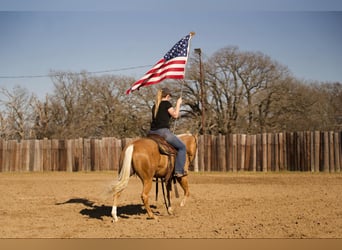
163, 189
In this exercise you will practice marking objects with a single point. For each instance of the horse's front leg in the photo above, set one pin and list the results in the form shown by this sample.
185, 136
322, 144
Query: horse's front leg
183, 181
168, 197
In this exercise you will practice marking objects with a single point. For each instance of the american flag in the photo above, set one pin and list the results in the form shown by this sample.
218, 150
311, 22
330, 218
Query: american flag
171, 66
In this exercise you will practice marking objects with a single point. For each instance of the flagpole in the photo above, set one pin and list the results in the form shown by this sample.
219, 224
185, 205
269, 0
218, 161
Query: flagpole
181, 95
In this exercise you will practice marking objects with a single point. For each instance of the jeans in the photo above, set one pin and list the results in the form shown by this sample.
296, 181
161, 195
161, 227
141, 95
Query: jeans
178, 144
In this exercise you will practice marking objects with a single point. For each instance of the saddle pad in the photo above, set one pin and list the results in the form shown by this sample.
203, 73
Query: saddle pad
164, 147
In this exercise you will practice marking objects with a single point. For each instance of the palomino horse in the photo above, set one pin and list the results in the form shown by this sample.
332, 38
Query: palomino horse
143, 158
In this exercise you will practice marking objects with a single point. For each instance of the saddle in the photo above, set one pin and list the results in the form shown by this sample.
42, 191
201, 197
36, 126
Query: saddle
166, 149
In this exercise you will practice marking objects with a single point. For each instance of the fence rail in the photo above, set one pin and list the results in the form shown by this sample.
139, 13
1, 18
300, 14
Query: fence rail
299, 151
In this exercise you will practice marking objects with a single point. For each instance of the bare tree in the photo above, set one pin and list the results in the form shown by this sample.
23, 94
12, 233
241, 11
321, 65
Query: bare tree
244, 92
16, 115
251, 93
233, 80
42, 119
328, 105
88, 106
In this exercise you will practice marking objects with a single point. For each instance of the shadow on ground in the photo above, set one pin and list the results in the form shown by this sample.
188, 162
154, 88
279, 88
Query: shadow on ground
98, 212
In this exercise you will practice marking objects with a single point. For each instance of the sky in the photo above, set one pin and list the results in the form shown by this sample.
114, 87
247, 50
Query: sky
37, 37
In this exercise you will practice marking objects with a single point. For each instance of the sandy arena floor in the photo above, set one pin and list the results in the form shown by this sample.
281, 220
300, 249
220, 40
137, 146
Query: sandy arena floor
221, 205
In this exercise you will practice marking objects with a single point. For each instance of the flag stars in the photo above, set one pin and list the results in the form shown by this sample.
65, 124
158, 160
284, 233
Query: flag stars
180, 49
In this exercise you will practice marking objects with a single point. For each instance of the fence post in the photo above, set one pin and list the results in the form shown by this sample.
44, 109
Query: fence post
264, 152
62, 155
1, 155
281, 151
69, 155
234, 152
110, 153
86, 155
79, 154
201, 152
254, 153
12, 149
195, 162
229, 154
36, 160
289, 149
338, 148
118, 149
270, 150
285, 150
13, 164
207, 152
248, 153
104, 164
25, 154
242, 152
308, 151
54, 154
276, 152
213, 153
312, 152
46, 154
331, 152
18, 162
221, 150
298, 136
98, 155
317, 144
92, 154
259, 153
326, 151
9, 155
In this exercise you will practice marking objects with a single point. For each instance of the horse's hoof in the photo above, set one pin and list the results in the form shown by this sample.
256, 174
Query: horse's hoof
170, 211
115, 219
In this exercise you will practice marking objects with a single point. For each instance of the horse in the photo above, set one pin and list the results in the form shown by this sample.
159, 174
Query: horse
143, 158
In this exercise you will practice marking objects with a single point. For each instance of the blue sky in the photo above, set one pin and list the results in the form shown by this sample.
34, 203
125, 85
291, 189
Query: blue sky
73, 36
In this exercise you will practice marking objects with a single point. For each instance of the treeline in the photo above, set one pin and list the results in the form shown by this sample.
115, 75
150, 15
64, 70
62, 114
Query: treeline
243, 92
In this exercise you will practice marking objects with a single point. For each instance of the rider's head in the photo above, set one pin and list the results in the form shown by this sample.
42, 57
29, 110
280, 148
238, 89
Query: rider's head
165, 92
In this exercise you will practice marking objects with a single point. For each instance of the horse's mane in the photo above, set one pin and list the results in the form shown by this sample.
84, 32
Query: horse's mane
188, 133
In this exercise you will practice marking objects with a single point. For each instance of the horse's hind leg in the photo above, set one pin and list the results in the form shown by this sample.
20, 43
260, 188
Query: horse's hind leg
147, 185
115, 204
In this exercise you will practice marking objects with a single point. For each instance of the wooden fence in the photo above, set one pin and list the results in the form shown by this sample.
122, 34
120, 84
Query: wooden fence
300, 151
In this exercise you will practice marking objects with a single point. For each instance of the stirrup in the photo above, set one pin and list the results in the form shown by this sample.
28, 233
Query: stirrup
179, 175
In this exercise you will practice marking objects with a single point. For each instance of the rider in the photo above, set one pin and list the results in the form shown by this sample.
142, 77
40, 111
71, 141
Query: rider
162, 111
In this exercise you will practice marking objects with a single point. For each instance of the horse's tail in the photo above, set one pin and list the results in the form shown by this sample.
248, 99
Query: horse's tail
125, 171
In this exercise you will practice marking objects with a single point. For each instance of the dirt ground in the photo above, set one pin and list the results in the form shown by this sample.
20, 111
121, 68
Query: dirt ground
221, 205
